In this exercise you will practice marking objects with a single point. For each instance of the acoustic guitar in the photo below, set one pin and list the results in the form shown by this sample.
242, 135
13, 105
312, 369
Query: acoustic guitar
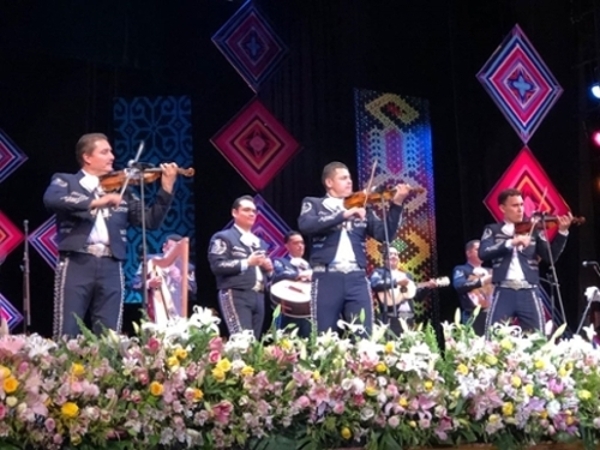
401, 294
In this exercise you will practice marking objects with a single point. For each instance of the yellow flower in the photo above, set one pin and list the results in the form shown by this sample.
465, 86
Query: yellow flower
515, 381
505, 344
172, 361
403, 402
569, 366
69, 410
570, 420
75, 439
412, 424
10, 384
491, 360
381, 367
198, 394
543, 414
428, 385
371, 390
286, 344
389, 347
181, 353
462, 369
508, 408
346, 433
528, 389
584, 394
224, 365
247, 371
11, 401
494, 418
562, 372
77, 369
316, 375
4, 372
219, 374
156, 388
539, 364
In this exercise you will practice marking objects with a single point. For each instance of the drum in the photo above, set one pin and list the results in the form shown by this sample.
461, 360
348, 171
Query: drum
293, 296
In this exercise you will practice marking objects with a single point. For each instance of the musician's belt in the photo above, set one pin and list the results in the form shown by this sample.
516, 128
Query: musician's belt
400, 314
516, 284
337, 267
98, 250
259, 287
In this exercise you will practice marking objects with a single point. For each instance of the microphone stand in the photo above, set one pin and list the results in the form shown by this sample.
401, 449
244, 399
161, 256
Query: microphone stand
26, 290
586, 311
386, 237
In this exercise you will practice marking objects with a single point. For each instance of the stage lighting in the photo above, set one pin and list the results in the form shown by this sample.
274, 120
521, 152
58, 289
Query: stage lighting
595, 90
596, 138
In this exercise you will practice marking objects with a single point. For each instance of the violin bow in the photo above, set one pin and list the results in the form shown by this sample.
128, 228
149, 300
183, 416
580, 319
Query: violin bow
129, 173
369, 183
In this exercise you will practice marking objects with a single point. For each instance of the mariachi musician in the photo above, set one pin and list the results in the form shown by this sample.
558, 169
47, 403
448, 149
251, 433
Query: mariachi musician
473, 283
396, 292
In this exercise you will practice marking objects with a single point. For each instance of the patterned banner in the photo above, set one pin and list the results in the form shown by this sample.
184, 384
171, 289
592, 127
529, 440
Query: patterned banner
43, 239
164, 124
394, 132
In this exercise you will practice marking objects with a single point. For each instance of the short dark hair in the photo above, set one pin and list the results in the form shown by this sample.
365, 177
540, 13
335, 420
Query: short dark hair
506, 193
329, 170
174, 237
238, 201
469, 245
289, 235
85, 145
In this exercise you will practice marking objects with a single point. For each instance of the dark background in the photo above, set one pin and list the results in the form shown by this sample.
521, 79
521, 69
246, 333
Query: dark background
62, 63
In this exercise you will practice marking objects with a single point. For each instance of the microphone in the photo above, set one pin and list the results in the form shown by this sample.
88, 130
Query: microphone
589, 263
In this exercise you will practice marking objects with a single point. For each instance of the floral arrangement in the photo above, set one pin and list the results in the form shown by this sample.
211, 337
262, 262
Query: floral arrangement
182, 386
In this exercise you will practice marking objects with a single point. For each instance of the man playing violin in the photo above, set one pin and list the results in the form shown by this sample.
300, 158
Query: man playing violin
338, 258
92, 236
515, 263
472, 282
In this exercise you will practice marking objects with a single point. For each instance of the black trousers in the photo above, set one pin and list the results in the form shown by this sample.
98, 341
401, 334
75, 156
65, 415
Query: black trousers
83, 283
523, 304
242, 310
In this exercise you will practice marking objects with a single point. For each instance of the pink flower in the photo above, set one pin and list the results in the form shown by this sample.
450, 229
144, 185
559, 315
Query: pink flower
339, 408
153, 345
214, 356
216, 343
222, 411
50, 424
302, 402
2, 411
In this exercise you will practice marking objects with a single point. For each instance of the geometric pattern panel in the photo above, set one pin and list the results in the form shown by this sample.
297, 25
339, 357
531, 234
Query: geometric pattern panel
256, 144
164, 125
394, 132
520, 83
250, 45
269, 227
539, 193
43, 239
10, 235
8, 312
11, 157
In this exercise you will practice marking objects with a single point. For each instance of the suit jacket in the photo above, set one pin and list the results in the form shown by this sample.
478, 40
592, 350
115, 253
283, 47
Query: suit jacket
283, 269
493, 248
70, 201
324, 226
225, 255
462, 285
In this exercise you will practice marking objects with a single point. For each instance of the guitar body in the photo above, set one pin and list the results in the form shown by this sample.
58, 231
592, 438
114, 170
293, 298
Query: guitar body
407, 291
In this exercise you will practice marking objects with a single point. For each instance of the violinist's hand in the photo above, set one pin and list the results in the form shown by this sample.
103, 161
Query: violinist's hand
361, 213
402, 191
169, 176
564, 222
112, 199
521, 240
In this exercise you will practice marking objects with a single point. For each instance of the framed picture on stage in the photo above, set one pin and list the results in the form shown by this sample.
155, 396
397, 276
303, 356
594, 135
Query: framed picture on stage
170, 299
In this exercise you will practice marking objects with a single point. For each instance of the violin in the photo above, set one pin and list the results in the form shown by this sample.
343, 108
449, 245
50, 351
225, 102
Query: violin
526, 226
115, 180
360, 199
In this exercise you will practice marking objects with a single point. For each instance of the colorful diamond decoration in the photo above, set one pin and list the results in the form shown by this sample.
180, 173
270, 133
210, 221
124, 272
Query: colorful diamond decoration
10, 235
11, 157
250, 45
520, 83
269, 227
539, 193
43, 239
9, 313
256, 144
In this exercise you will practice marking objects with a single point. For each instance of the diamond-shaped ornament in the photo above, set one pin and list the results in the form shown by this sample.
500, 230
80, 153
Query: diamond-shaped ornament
250, 45
10, 235
520, 83
9, 313
269, 227
539, 193
43, 239
11, 157
256, 144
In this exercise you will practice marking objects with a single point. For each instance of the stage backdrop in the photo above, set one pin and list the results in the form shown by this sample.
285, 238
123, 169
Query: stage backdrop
164, 124
394, 132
